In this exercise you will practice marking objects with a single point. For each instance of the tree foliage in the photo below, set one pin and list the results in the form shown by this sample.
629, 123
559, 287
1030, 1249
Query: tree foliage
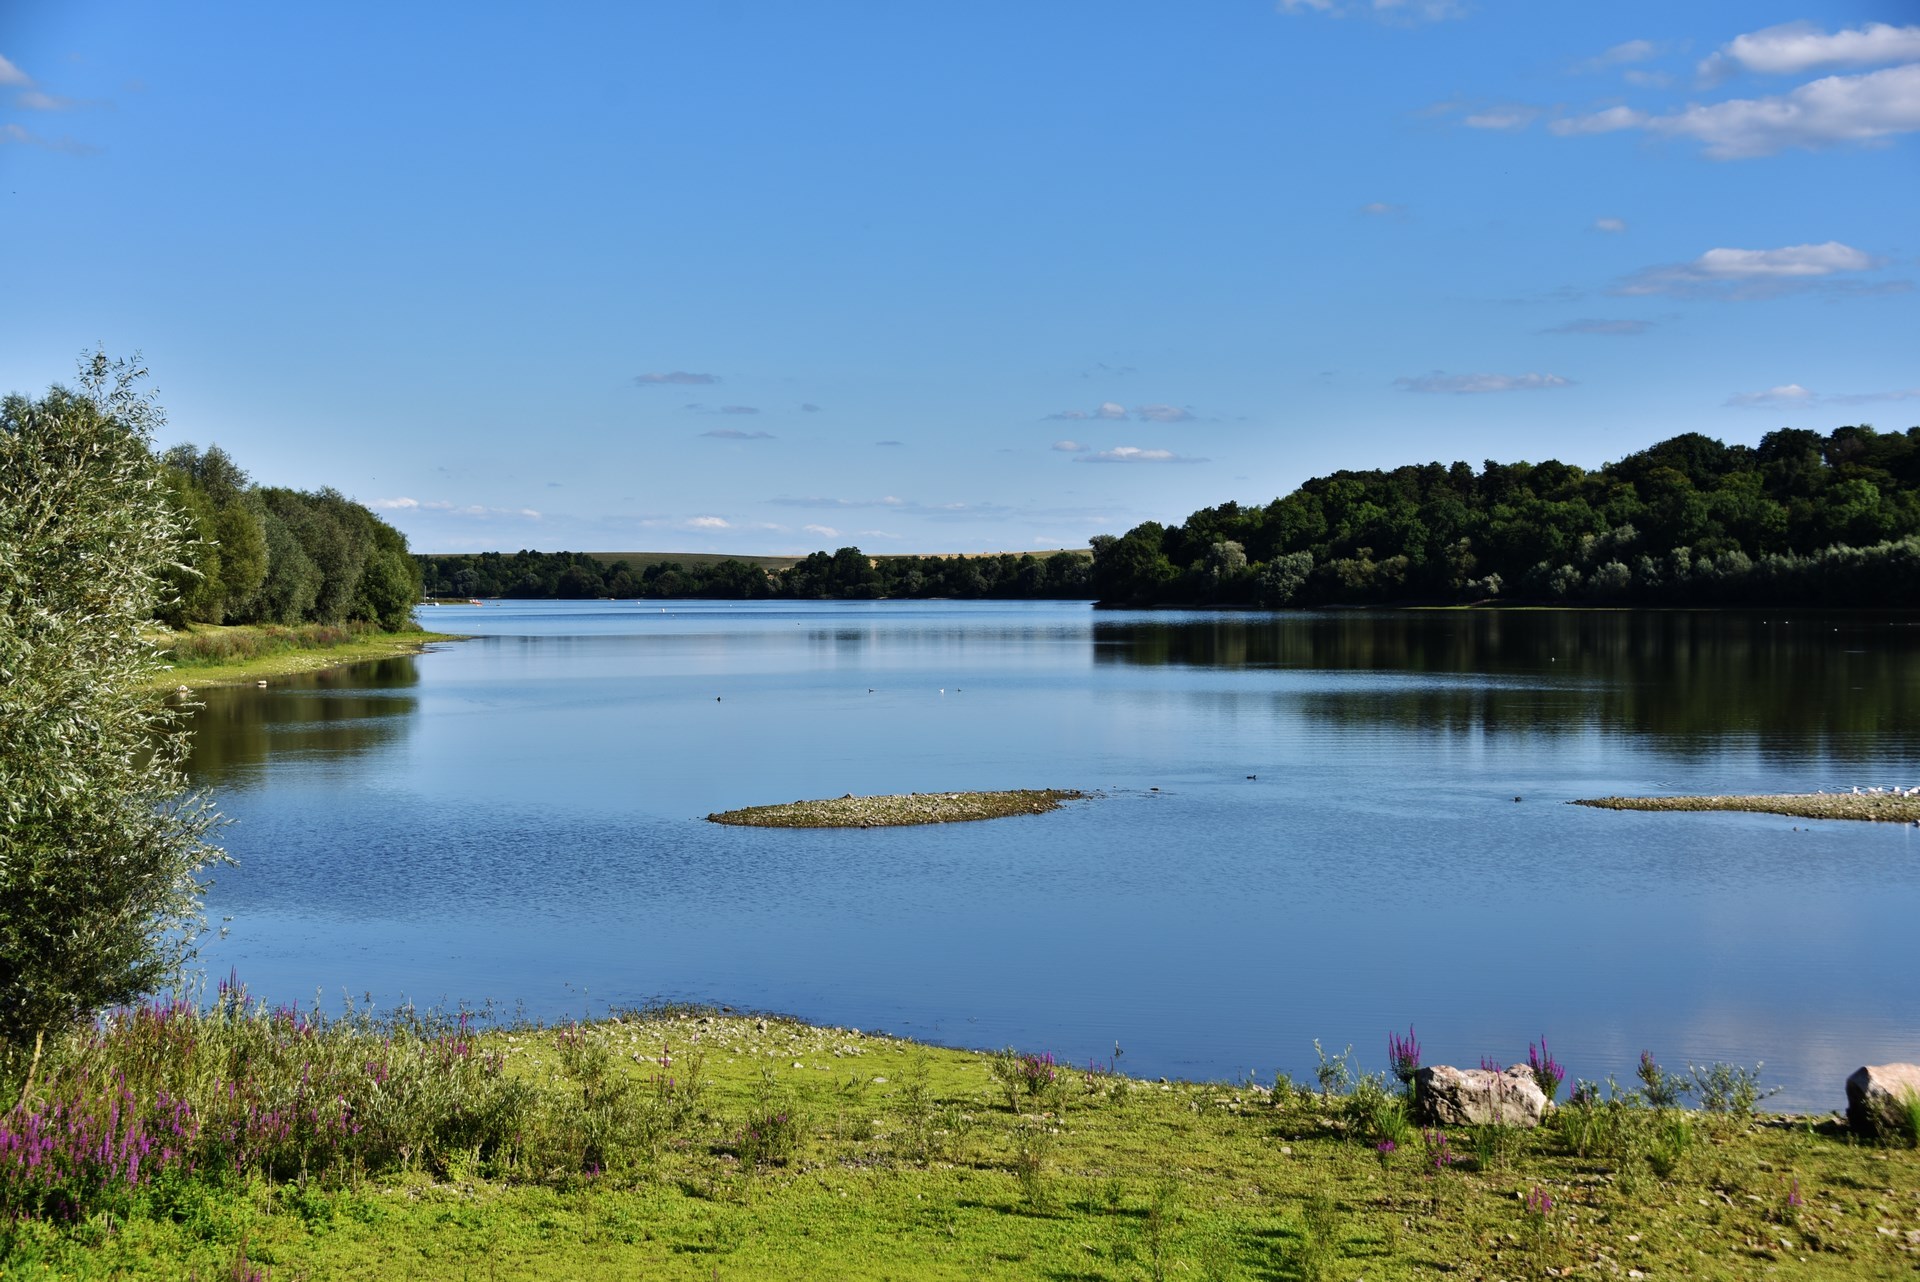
270, 555
1799, 519
101, 845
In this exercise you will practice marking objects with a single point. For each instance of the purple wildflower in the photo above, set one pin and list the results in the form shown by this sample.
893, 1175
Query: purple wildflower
1404, 1054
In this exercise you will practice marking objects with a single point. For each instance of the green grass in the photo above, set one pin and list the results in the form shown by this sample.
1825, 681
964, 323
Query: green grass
898, 810
212, 655
1885, 807
909, 1161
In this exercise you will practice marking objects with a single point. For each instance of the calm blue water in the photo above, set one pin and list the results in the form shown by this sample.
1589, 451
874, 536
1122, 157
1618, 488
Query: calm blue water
519, 818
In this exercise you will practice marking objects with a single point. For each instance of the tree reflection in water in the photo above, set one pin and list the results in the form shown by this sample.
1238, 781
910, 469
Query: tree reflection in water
1843, 685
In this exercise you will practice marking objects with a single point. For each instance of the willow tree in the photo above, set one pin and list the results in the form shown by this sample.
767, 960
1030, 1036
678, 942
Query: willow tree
102, 846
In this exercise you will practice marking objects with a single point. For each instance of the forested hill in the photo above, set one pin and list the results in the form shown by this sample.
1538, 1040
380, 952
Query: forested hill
847, 573
1799, 519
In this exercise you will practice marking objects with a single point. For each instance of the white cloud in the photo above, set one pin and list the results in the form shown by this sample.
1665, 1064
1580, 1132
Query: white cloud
1510, 117
1069, 447
1474, 384
1614, 328
1610, 224
824, 531
35, 100
1163, 414
735, 434
12, 75
1787, 394
708, 523
401, 504
678, 376
1133, 454
1790, 395
739, 409
1382, 209
1751, 273
1795, 47
1827, 112
1109, 409
1641, 79
1789, 260
1071, 416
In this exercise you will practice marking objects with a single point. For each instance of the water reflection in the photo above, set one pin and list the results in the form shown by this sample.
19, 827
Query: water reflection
1847, 686
341, 713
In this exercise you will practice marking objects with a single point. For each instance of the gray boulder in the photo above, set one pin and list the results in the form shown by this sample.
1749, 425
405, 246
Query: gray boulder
1448, 1096
1878, 1096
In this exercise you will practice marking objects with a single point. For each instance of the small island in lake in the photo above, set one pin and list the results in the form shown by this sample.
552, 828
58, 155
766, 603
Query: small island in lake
1896, 805
894, 811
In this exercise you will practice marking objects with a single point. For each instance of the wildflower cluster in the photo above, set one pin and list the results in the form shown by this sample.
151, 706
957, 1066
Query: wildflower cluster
1547, 1071
242, 1089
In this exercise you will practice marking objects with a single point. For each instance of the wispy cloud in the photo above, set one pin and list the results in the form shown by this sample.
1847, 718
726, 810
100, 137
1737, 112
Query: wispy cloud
1752, 273
1796, 47
824, 531
12, 75
678, 377
407, 504
1622, 54
1792, 395
696, 407
18, 135
37, 100
808, 407
1397, 12
1477, 384
1613, 226
708, 523
735, 434
1591, 325
889, 442
1836, 110
1113, 411
1786, 394
1382, 209
1070, 447
1133, 454
955, 511
1508, 117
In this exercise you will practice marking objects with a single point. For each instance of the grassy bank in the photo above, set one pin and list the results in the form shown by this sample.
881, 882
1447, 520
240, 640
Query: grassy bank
1886, 807
211, 655
899, 810
692, 1144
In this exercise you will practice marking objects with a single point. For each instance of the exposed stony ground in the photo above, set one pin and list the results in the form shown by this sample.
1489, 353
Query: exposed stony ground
1890, 807
891, 811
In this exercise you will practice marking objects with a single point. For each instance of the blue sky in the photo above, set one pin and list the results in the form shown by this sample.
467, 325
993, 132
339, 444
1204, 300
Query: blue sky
766, 278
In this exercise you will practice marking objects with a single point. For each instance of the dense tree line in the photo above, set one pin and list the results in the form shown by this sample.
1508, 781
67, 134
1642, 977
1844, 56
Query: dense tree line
262, 554
847, 574
1800, 518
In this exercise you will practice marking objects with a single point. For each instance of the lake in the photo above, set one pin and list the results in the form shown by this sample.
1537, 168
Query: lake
1306, 825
